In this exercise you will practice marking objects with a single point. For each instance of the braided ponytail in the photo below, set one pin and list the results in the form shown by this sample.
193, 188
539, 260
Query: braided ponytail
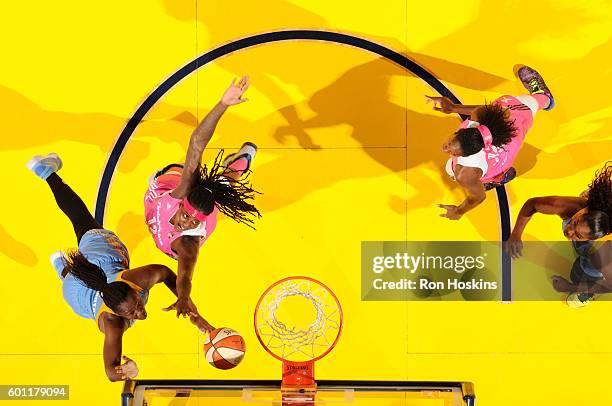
211, 188
113, 294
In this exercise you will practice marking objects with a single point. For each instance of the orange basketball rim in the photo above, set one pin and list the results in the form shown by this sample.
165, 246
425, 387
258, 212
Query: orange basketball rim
304, 337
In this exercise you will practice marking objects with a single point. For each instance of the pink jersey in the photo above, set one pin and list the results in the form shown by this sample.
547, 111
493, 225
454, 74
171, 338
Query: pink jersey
160, 207
500, 159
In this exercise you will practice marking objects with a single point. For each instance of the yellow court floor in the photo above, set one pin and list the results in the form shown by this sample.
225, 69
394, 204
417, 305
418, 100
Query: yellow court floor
348, 152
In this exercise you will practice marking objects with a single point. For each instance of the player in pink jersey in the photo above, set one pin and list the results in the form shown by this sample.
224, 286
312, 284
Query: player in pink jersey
183, 201
484, 147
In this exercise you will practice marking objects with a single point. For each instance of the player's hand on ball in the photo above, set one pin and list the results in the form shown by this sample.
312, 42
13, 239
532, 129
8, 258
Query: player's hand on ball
127, 370
200, 323
233, 94
452, 211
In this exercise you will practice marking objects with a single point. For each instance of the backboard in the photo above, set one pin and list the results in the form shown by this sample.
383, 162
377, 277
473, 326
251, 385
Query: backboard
268, 392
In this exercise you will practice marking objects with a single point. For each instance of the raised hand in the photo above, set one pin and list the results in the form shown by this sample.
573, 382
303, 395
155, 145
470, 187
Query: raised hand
233, 94
452, 211
445, 104
281, 134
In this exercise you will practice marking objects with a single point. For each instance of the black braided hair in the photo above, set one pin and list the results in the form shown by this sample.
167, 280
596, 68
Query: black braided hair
599, 202
92, 276
211, 188
494, 117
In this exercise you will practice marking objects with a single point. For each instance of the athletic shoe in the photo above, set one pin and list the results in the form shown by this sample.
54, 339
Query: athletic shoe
247, 151
508, 176
576, 300
44, 166
58, 260
534, 82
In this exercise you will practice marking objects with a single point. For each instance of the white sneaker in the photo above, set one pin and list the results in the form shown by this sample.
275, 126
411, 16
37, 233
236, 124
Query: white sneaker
44, 166
58, 260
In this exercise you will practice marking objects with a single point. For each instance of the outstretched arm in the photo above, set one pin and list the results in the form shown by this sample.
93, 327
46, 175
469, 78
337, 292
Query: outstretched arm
445, 105
148, 276
187, 249
194, 316
469, 179
557, 205
203, 133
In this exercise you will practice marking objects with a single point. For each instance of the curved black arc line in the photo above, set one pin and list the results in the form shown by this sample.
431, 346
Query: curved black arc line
276, 36
236, 46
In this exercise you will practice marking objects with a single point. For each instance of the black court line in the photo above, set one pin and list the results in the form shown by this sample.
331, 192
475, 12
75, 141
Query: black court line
399, 59
506, 261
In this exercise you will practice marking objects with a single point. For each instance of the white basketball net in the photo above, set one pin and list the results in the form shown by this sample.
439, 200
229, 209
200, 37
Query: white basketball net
291, 342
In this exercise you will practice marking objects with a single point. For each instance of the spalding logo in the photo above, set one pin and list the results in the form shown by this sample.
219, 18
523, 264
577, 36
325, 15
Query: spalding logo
299, 367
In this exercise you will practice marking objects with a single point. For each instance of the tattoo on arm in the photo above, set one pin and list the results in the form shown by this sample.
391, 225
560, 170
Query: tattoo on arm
197, 143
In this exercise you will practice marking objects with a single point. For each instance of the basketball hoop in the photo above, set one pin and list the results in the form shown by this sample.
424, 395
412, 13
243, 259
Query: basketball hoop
298, 320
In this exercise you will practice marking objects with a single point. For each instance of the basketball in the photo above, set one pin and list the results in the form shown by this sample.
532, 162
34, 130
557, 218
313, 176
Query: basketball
224, 348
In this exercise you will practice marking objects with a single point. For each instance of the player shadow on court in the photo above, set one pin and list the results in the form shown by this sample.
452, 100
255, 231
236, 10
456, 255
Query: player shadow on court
327, 116
373, 120
287, 15
533, 163
567, 75
519, 27
381, 128
131, 227
589, 112
34, 126
279, 16
487, 18
16, 250
377, 124
589, 144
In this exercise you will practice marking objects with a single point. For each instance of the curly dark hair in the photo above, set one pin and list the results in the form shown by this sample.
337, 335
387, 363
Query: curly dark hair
494, 117
470, 141
92, 276
599, 202
211, 188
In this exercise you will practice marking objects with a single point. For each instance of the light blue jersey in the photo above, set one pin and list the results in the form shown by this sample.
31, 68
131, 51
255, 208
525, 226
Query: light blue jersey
103, 248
